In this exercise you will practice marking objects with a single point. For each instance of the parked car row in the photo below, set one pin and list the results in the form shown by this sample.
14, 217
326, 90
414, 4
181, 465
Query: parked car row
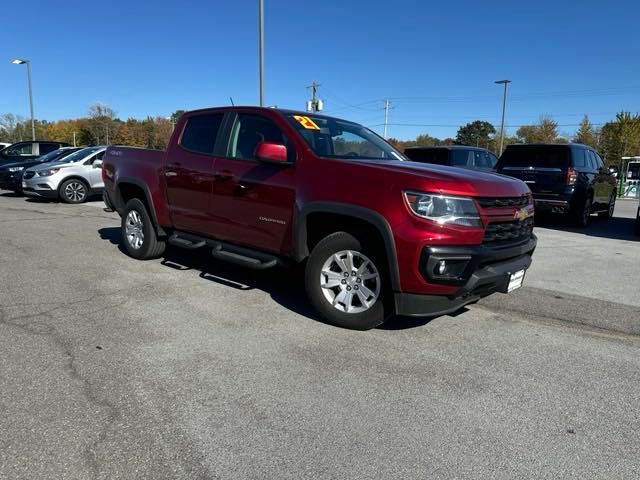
70, 174
569, 180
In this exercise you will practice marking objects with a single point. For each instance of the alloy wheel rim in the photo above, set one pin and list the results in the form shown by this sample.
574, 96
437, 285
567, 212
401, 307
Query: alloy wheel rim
75, 191
134, 229
350, 282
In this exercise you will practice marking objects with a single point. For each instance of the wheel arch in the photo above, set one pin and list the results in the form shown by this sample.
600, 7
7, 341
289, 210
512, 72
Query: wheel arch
127, 188
351, 214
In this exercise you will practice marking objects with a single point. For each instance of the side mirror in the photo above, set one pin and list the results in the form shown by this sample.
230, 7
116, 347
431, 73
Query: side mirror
97, 164
613, 170
271, 152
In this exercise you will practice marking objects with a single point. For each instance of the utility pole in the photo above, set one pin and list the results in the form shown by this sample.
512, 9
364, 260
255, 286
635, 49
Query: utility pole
504, 106
261, 48
387, 105
315, 104
21, 61
74, 139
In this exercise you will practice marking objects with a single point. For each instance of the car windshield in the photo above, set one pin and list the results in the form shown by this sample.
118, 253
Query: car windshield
79, 155
333, 138
54, 155
541, 156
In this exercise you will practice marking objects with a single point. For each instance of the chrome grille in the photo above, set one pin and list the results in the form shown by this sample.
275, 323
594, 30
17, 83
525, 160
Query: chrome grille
508, 231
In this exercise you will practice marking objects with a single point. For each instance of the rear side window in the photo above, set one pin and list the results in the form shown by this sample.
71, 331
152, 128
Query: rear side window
581, 158
537, 156
484, 160
200, 133
462, 158
439, 156
22, 149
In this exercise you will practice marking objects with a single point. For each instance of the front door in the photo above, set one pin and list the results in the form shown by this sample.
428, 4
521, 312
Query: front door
189, 174
253, 201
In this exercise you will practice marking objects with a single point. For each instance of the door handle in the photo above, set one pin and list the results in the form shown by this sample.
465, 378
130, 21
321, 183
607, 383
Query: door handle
170, 174
223, 175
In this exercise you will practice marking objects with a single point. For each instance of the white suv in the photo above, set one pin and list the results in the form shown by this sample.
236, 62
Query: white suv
72, 180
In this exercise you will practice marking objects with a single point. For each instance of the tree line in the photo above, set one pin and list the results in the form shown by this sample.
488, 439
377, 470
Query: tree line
613, 140
101, 126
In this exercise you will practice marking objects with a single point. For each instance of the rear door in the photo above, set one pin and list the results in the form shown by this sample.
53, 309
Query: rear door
542, 167
602, 184
189, 173
253, 201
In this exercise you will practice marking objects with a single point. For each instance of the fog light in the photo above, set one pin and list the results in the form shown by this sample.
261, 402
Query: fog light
442, 267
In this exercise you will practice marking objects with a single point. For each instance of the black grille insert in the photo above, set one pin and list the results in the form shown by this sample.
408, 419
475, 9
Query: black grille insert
508, 231
500, 202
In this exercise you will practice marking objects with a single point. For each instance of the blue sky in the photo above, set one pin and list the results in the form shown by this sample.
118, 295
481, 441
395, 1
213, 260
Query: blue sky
436, 61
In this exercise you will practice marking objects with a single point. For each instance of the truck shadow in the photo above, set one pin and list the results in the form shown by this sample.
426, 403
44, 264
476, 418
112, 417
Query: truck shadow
285, 285
616, 228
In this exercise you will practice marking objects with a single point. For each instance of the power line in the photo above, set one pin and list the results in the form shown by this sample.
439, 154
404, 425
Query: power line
457, 125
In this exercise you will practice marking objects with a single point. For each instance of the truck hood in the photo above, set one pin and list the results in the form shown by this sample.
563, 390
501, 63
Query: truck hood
453, 180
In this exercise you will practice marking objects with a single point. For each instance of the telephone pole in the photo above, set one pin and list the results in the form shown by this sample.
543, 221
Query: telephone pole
315, 104
261, 48
387, 105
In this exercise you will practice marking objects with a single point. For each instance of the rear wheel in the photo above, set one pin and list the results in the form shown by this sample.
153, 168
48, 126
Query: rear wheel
346, 282
139, 233
74, 191
583, 215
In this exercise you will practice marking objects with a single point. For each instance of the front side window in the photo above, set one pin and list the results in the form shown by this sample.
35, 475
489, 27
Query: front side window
48, 147
23, 149
333, 138
484, 160
200, 133
249, 130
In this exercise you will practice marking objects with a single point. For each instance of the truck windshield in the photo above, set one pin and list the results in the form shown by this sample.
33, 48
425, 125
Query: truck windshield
333, 138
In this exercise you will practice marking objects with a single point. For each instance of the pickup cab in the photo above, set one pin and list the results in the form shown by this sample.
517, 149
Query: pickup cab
377, 234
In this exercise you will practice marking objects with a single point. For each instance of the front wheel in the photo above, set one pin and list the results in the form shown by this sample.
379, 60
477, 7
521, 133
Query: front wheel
611, 207
74, 191
138, 232
346, 283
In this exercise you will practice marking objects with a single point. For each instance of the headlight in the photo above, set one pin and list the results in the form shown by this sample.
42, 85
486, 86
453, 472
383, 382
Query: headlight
444, 210
48, 173
16, 169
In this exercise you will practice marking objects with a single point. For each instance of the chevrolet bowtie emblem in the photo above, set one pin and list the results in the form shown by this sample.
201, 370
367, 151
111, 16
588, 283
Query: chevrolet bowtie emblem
521, 214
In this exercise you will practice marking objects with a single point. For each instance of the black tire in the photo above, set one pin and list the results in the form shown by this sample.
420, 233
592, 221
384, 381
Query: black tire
582, 215
610, 207
150, 246
73, 191
638, 223
376, 313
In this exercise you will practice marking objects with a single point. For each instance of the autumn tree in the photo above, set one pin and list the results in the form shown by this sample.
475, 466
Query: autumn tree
545, 131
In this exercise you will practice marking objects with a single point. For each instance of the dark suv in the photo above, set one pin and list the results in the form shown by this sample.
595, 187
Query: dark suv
475, 158
566, 179
28, 150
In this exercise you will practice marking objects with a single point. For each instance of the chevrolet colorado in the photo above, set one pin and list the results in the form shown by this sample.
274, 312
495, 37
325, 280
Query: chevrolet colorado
378, 235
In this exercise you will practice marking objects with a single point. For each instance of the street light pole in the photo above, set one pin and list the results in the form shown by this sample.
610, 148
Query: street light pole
261, 48
504, 106
20, 61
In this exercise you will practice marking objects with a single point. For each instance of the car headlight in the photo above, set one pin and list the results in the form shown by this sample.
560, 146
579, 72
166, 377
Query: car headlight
16, 169
444, 210
48, 173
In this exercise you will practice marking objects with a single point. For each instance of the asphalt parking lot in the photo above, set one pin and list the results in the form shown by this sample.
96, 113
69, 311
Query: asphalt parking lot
189, 368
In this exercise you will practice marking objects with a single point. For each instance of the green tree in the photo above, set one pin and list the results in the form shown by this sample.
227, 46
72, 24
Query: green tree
586, 134
427, 140
477, 133
545, 131
175, 116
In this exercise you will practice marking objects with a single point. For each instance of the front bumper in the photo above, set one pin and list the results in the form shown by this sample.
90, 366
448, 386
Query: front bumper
44, 187
11, 181
486, 270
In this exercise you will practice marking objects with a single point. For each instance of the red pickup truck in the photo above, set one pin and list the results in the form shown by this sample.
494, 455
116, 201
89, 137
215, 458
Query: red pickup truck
378, 235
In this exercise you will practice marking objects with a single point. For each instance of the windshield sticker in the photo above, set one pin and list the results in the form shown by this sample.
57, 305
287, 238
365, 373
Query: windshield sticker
306, 122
